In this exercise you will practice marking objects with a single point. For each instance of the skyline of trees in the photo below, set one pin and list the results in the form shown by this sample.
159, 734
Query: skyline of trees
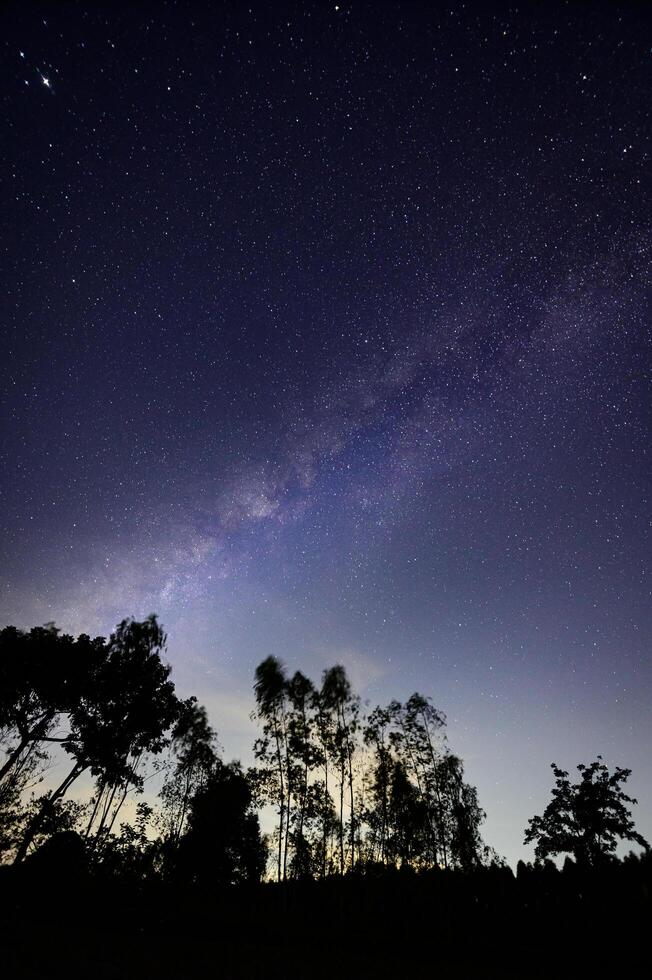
351, 788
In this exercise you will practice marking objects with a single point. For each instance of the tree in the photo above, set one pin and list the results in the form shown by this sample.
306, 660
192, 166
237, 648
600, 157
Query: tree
122, 710
419, 740
462, 813
43, 674
270, 686
587, 818
420, 810
222, 844
337, 697
376, 739
195, 754
43, 677
301, 759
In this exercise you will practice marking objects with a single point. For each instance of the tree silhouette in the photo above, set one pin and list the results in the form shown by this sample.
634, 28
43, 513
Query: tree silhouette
43, 674
194, 746
338, 697
222, 844
301, 759
123, 708
376, 738
587, 818
270, 687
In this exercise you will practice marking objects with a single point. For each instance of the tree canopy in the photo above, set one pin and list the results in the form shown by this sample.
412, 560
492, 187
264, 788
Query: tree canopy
586, 819
353, 789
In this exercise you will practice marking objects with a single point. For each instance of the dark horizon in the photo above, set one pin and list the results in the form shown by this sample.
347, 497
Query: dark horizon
327, 338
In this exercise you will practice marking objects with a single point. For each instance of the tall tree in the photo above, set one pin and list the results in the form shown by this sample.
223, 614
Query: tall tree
461, 813
301, 758
324, 732
376, 738
408, 741
194, 747
270, 687
123, 710
338, 697
418, 738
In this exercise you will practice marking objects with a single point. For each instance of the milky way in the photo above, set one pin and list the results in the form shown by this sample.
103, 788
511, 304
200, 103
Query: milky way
326, 335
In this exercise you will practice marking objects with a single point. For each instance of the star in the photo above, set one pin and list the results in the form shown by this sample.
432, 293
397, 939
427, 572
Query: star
46, 81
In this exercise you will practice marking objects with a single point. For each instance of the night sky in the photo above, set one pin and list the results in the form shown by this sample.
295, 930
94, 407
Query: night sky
324, 335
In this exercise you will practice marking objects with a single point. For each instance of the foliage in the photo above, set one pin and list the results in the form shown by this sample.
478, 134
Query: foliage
586, 819
355, 792
106, 705
222, 844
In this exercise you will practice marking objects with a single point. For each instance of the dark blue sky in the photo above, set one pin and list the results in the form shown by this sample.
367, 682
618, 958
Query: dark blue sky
325, 334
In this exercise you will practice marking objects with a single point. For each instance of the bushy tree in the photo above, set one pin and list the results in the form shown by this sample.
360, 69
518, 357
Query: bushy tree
586, 819
222, 844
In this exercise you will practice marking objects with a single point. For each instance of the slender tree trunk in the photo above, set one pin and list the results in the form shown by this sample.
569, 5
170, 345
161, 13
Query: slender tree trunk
281, 797
437, 790
36, 734
342, 819
13, 758
118, 808
47, 805
325, 820
288, 807
383, 826
304, 790
340, 725
105, 811
352, 807
184, 806
100, 792
125, 791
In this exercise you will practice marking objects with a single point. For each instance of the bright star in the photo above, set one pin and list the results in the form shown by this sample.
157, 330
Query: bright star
46, 81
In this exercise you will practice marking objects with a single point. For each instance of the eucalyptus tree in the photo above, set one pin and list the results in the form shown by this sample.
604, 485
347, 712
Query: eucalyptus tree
436, 823
418, 739
338, 697
324, 741
302, 757
123, 710
376, 738
194, 749
407, 839
271, 749
126, 718
462, 814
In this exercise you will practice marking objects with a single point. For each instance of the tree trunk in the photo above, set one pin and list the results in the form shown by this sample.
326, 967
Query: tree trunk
100, 792
47, 805
350, 759
325, 822
36, 734
288, 807
437, 791
340, 724
13, 758
281, 810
